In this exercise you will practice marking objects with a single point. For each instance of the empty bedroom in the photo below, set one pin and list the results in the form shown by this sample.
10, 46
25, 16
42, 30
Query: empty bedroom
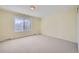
39, 28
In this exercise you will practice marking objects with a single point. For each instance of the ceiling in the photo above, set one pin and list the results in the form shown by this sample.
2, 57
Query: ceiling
41, 11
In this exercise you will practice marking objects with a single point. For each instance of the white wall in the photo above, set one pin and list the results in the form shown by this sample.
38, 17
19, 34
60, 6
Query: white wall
62, 24
7, 25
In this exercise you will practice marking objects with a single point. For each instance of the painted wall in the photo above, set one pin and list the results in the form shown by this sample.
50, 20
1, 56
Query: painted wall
7, 25
62, 24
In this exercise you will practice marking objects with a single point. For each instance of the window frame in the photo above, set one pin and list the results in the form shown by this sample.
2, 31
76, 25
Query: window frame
24, 26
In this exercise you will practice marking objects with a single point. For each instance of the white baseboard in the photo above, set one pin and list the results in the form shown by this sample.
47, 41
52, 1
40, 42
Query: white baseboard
17, 37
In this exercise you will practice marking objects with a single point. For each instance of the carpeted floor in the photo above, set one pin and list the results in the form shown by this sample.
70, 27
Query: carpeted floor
38, 44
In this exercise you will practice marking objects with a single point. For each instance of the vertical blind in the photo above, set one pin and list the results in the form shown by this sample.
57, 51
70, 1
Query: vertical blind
22, 24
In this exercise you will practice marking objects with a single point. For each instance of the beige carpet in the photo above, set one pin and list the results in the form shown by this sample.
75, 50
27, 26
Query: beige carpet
38, 44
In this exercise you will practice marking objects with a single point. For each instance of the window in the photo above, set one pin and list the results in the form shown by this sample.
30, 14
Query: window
22, 24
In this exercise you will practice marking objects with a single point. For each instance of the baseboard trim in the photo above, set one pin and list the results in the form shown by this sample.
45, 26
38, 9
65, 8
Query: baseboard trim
59, 38
4, 40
